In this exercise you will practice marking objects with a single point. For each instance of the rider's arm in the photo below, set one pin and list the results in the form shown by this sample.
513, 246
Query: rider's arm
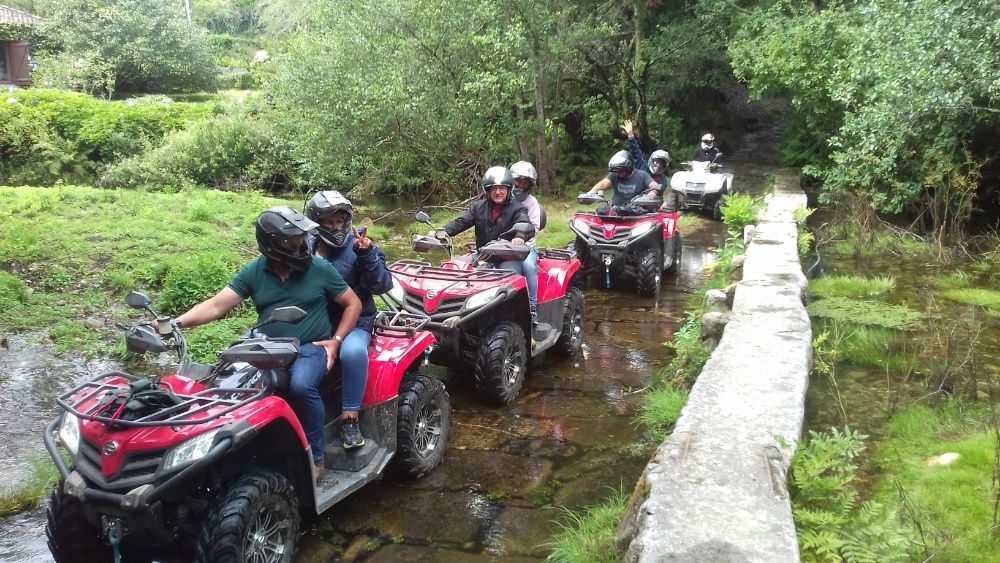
374, 275
654, 187
462, 222
599, 187
350, 311
213, 308
635, 151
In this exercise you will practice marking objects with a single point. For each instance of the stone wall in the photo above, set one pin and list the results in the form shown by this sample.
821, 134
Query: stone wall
716, 488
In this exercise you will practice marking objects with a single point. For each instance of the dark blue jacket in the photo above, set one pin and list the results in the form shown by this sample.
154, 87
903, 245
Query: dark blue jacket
364, 271
635, 151
702, 155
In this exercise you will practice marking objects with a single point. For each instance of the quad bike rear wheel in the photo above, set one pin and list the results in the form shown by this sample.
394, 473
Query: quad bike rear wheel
70, 537
649, 272
572, 330
423, 426
501, 362
254, 520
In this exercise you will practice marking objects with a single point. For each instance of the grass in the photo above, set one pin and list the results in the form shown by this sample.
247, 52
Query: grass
44, 477
865, 312
987, 298
954, 280
851, 286
956, 525
589, 537
661, 409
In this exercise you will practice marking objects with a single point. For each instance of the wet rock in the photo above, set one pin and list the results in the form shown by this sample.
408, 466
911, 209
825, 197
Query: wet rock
730, 294
597, 483
558, 405
93, 323
487, 471
736, 267
715, 300
594, 431
712, 325
359, 547
521, 531
488, 432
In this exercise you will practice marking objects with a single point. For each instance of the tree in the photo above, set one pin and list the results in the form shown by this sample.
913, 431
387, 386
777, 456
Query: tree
145, 45
888, 95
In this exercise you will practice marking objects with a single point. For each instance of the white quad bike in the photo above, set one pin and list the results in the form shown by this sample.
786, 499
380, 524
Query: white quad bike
703, 185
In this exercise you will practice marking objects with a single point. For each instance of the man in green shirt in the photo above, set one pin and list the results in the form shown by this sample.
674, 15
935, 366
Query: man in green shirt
285, 275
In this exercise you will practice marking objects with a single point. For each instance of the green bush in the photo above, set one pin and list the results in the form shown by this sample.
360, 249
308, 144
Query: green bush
192, 280
740, 210
50, 134
13, 291
228, 152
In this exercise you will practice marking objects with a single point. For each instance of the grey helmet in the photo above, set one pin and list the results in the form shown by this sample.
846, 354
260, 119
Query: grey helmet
327, 203
281, 236
498, 176
621, 162
523, 169
658, 162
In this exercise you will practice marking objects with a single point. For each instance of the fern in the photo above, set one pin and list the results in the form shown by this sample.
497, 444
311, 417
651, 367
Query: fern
831, 526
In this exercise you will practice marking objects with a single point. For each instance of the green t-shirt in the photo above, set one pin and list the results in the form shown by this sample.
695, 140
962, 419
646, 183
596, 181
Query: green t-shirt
310, 290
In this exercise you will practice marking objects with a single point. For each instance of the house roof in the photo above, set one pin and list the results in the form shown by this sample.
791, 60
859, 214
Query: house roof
13, 16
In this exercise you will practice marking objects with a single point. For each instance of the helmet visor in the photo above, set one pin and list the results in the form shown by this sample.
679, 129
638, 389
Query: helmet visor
291, 244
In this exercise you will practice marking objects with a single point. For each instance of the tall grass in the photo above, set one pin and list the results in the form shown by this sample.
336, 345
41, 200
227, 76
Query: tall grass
589, 537
982, 297
851, 286
661, 408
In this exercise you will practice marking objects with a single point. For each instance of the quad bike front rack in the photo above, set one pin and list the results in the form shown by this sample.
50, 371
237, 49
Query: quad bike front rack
196, 408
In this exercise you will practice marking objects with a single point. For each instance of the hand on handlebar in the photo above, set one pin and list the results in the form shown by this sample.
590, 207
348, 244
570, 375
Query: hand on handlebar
517, 240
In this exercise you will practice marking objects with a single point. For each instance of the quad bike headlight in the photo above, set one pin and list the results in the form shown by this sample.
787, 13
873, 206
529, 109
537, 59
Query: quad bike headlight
397, 292
482, 298
69, 432
642, 229
190, 450
581, 226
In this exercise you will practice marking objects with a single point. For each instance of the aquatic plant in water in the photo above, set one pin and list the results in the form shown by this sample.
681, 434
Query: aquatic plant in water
987, 298
851, 286
865, 312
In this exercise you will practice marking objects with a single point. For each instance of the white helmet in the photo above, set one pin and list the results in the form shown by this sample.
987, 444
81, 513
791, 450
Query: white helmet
658, 162
523, 169
707, 141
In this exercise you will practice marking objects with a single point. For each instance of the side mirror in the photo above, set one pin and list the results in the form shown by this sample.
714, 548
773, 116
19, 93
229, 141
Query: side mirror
422, 217
137, 300
286, 315
517, 230
718, 155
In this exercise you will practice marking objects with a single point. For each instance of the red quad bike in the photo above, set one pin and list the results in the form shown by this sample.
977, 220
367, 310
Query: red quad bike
636, 241
211, 464
480, 314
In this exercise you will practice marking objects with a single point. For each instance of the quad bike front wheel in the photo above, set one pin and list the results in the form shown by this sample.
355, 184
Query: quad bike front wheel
254, 520
501, 362
71, 538
717, 206
423, 426
648, 272
572, 330
675, 265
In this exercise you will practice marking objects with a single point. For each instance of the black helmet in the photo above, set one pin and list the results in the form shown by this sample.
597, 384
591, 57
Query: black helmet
498, 176
281, 236
523, 169
327, 203
620, 162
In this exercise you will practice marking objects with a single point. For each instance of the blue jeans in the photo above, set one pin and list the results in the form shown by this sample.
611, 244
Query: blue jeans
306, 373
529, 269
354, 367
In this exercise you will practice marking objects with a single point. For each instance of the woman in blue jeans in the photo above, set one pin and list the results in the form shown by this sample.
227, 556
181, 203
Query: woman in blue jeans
362, 265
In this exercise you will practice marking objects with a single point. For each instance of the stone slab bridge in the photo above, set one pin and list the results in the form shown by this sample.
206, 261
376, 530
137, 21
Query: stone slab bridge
716, 488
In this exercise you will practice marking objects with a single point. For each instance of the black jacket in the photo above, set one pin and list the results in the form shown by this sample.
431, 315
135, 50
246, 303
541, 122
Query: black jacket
702, 155
487, 230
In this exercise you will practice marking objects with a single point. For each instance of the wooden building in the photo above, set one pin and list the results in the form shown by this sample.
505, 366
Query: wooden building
15, 57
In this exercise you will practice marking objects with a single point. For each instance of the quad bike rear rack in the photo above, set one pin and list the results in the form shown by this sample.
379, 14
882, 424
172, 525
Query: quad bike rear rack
399, 324
425, 270
193, 408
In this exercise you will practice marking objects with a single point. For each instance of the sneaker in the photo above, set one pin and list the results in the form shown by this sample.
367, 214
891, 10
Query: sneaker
351, 432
